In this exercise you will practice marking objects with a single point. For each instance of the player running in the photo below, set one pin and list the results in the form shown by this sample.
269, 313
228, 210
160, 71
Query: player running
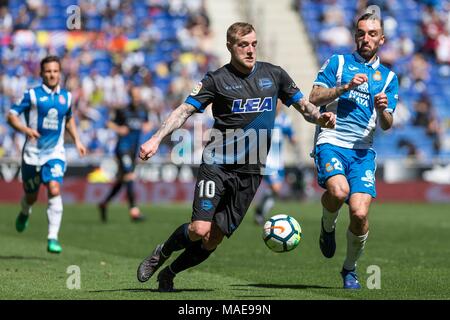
244, 95
48, 112
128, 123
274, 175
361, 91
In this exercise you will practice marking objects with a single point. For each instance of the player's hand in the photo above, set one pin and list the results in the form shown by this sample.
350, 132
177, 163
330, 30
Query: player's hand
149, 148
82, 151
327, 120
123, 130
32, 133
357, 80
381, 101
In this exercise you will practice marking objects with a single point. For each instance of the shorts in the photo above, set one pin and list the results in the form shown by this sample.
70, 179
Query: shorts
357, 165
223, 196
273, 176
33, 176
127, 162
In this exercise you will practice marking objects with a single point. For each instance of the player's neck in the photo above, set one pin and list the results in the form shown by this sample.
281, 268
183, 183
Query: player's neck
242, 69
369, 60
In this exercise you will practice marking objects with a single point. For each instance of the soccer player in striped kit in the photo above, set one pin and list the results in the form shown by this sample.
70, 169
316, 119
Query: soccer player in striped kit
48, 113
361, 92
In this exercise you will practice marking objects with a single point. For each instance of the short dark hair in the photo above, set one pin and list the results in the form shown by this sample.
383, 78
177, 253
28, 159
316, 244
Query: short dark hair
49, 59
238, 29
370, 16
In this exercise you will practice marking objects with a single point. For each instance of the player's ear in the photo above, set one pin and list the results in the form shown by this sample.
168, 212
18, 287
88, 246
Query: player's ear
382, 40
229, 46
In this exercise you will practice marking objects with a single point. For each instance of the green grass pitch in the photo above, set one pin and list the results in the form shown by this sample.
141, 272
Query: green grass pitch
410, 243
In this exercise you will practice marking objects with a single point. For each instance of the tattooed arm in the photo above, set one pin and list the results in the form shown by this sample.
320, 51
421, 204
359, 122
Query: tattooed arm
321, 96
175, 120
312, 114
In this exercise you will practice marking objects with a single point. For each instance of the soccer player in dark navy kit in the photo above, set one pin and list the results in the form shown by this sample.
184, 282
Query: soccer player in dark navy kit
244, 96
128, 123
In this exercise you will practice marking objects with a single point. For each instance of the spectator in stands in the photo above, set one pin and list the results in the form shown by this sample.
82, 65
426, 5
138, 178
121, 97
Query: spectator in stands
425, 116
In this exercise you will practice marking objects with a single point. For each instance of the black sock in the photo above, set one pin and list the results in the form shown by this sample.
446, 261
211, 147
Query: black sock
130, 193
177, 241
115, 189
192, 256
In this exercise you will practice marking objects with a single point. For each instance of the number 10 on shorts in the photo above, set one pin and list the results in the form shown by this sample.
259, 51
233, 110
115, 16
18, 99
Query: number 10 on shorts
207, 189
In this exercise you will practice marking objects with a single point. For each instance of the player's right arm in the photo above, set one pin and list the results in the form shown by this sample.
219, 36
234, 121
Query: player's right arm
14, 120
175, 120
326, 88
322, 96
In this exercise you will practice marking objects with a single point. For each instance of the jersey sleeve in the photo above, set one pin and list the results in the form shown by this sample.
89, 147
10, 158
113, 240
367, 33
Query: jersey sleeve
288, 92
69, 106
327, 73
23, 105
392, 94
203, 94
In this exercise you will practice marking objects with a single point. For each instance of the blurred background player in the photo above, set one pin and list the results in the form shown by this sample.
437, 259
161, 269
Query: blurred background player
274, 174
128, 123
362, 92
48, 113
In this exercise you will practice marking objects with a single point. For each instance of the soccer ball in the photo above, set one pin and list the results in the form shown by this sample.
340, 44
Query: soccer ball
282, 233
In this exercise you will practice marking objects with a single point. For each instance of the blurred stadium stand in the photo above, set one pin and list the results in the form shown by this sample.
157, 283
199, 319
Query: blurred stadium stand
161, 46
165, 46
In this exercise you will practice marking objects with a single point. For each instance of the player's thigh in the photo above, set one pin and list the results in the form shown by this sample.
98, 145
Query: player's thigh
31, 180
52, 176
127, 163
208, 193
361, 174
241, 190
330, 162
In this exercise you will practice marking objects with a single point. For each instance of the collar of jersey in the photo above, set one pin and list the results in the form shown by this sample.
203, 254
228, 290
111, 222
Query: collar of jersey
374, 65
48, 90
243, 75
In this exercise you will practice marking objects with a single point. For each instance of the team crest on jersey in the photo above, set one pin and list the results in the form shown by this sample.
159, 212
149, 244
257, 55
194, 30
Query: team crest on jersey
377, 76
197, 89
252, 105
50, 121
62, 100
265, 83
329, 167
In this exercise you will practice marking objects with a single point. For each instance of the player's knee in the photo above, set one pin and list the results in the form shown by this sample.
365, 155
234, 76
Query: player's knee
359, 216
53, 190
339, 192
199, 229
31, 198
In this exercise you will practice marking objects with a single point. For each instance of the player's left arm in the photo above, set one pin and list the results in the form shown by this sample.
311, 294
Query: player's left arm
72, 130
312, 114
385, 103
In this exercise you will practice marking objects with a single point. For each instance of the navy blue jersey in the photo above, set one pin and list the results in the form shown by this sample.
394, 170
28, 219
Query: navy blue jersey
243, 107
133, 119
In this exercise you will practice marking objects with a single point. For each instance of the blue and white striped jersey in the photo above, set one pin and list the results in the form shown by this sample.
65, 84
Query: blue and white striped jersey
46, 112
282, 128
355, 111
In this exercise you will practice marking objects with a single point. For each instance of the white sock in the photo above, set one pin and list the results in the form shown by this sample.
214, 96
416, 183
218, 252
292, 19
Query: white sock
355, 248
54, 214
329, 219
26, 208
